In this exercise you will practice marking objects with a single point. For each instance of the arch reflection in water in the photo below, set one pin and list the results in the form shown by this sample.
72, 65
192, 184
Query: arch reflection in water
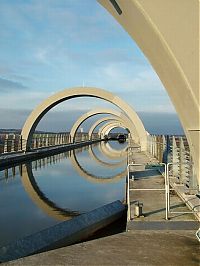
107, 164
92, 177
40, 199
106, 149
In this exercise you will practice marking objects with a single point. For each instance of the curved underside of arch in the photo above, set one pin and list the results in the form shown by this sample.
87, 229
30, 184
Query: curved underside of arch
37, 114
101, 120
105, 130
135, 135
168, 34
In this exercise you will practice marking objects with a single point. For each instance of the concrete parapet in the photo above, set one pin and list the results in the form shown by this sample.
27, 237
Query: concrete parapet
65, 233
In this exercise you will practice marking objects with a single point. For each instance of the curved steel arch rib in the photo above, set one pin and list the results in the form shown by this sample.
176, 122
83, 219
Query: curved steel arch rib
37, 114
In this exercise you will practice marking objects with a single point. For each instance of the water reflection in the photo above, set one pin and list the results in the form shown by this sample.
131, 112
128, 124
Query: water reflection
40, 198
94, 177
39, 194
111, 153
107, 164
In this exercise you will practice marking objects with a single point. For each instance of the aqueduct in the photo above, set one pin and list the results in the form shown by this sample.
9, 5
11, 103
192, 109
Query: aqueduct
121, 117
101, 120
37, 114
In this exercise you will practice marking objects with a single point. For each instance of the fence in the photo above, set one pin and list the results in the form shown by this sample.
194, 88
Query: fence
175, 151
14, 143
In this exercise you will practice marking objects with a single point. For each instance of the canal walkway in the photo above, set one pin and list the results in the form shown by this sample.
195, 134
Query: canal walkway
172, 248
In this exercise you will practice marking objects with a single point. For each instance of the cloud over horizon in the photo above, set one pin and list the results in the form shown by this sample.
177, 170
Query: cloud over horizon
48, 45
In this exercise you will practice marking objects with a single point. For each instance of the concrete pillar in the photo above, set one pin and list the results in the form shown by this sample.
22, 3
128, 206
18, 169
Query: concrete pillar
5, 149
175, 158
12, 144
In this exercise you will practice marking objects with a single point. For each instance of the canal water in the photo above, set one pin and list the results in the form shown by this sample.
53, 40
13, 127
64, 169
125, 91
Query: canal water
42, 193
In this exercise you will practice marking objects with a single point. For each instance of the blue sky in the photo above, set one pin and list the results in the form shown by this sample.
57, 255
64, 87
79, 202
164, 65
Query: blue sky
48, 45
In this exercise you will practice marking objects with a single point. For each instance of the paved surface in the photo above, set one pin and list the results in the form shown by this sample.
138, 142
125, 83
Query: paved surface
131, 248
153, 201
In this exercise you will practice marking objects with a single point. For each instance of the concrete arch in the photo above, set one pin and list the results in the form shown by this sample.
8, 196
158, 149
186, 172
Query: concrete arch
92, 178
101, 120
40, 199
170, 41
105, 130
84, 117
37, 114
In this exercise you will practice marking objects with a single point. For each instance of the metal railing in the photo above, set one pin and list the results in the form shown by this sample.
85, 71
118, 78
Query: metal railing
11, 143
165, 189
185, 189
174, 150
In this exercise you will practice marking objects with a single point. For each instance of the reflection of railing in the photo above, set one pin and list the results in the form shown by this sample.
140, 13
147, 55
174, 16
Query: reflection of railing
14, 143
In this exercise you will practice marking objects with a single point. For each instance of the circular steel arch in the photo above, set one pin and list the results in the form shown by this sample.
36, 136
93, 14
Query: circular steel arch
37, 114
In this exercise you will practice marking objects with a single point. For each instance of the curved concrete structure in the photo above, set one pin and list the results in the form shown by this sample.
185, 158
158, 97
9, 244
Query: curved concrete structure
168, 34
105, 130
40, 199
130, 124
101, 120
37, 114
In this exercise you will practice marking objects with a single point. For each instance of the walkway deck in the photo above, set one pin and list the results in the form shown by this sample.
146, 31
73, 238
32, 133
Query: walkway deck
154, 201
139, 248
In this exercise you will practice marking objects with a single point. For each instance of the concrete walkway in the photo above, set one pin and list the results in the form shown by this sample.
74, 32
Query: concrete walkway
130, 248
153, 201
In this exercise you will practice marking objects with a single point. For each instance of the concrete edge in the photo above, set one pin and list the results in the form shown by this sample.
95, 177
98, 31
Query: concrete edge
17, 158
63, 234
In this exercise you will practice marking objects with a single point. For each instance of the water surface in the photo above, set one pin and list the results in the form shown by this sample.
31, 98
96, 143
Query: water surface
42, 193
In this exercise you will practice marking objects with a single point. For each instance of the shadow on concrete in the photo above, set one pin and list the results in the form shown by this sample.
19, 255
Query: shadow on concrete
163, 209
146, 174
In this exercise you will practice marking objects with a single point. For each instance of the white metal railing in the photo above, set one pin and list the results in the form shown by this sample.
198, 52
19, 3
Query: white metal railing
175, 150
14, 143
165, 189
170, 188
